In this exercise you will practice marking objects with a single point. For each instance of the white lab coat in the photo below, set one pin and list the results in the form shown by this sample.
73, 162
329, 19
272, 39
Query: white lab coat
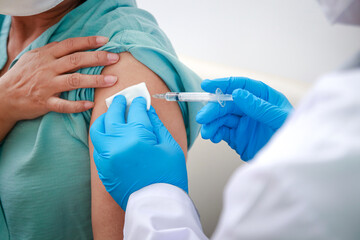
305, 184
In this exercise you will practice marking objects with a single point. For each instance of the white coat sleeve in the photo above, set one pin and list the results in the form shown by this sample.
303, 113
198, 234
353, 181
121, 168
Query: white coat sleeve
305, 183
162, 211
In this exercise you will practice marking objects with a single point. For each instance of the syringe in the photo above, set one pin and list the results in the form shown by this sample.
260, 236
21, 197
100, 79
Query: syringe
218, 96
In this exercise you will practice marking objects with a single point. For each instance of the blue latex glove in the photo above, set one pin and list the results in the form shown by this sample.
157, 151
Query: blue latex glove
134, 154
248, 123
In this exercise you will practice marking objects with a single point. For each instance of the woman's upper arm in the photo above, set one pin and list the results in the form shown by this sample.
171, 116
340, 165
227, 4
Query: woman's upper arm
107, 216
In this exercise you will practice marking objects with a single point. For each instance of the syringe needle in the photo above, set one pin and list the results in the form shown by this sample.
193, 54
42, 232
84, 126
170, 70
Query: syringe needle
160, 96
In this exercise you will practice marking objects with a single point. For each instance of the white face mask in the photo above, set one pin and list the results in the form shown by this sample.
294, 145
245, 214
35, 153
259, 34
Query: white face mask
26, 7
342, 11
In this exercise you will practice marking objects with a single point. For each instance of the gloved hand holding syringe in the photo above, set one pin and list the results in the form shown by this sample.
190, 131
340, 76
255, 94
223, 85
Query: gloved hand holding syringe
218, 96
253, 112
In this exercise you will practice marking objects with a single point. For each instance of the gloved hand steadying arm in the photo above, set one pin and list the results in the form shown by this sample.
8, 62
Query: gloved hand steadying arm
248, 122
133, 154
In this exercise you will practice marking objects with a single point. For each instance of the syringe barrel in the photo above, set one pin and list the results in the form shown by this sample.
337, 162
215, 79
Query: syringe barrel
172, 96
196, 97
189, 96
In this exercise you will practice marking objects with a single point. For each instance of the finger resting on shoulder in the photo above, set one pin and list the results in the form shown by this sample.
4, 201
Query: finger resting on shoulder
78, 60
68, 82
72, 45
59, 105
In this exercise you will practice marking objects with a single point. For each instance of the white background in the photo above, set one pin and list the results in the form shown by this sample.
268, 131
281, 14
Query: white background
290, 38
287, 39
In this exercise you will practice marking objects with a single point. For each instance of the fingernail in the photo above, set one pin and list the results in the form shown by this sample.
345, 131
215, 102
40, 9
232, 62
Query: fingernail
110, 79
88, 105
113, 57
101, 40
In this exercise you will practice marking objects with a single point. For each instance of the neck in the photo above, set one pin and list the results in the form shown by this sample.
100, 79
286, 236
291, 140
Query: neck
24, 30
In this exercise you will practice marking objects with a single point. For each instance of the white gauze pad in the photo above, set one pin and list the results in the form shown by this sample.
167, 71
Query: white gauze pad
130, 93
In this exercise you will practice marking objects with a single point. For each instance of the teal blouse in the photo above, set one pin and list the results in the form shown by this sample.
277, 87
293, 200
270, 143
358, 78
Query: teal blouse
44, 163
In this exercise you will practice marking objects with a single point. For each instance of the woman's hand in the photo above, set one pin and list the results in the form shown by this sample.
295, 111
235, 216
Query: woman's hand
31, 88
